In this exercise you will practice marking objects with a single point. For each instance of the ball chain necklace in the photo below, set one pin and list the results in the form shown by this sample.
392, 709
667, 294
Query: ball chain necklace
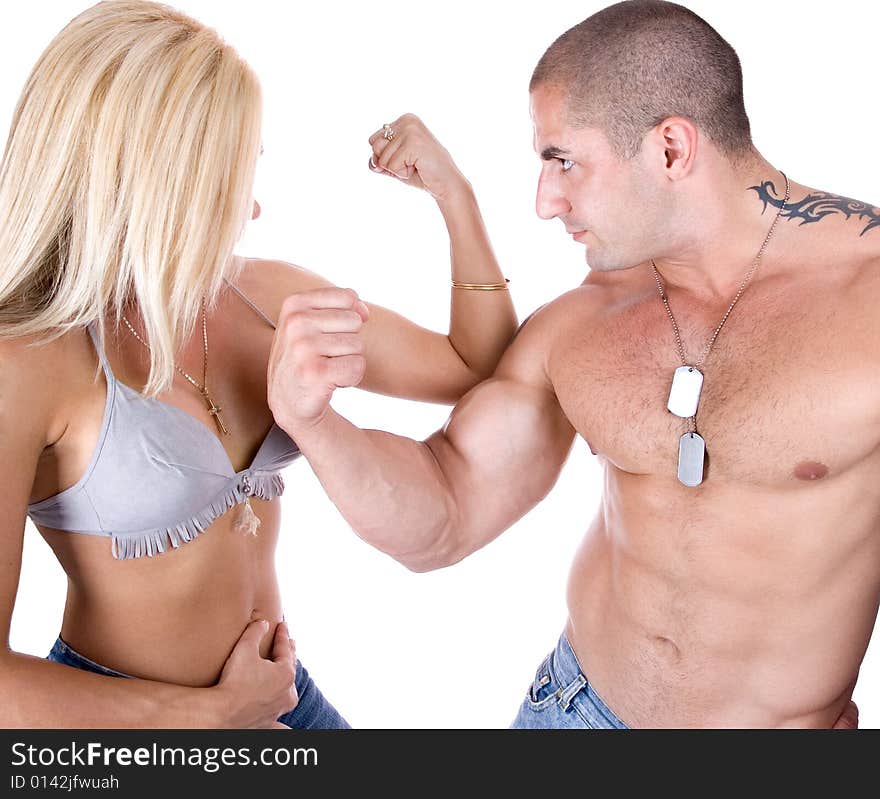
687, 381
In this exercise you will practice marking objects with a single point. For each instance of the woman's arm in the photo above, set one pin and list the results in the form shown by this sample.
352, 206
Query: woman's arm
253, 692
404, 359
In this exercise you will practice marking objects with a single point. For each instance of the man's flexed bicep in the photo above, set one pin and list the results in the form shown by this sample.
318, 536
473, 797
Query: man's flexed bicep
428, 504
499, 454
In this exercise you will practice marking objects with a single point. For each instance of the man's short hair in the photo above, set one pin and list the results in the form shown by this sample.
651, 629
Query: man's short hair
631, 65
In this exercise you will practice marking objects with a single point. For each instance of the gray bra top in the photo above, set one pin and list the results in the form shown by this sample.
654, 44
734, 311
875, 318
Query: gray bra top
158, 477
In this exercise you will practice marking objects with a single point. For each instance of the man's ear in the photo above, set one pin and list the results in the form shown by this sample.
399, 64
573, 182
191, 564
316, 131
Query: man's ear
674, 142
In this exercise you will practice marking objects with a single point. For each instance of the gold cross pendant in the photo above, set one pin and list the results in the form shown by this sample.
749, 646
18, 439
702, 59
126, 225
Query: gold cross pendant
215, 412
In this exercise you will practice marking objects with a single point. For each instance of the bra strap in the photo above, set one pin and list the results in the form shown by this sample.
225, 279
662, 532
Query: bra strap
248, 300
99, 347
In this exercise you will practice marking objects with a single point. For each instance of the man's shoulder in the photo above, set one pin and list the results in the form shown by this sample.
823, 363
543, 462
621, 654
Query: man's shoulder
868, 268
822, 208
554, 324
833, 228
855, 260
864, 283
577, 307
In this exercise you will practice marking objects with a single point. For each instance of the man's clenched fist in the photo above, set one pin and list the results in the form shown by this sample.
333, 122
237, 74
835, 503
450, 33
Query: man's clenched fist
318, 347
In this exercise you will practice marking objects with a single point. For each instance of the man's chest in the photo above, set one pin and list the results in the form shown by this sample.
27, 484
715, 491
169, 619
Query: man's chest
791, 389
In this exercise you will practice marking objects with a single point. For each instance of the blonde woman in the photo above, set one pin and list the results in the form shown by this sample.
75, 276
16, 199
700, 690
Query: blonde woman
135, 427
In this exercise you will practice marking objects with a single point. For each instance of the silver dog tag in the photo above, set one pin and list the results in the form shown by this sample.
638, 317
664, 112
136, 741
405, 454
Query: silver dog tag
684, 395
691, 458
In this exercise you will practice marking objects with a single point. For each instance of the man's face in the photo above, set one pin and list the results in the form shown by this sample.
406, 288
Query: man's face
607, 204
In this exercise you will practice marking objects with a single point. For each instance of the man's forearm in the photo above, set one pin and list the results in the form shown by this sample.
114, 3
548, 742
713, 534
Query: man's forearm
390, 489
40, 693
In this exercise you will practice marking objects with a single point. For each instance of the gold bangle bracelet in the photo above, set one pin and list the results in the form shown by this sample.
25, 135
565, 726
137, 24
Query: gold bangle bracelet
481, 286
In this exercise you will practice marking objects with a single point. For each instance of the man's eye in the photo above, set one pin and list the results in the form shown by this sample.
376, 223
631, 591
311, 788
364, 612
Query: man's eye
566, 164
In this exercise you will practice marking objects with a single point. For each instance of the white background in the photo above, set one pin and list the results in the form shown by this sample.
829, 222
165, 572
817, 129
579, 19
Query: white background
455, 648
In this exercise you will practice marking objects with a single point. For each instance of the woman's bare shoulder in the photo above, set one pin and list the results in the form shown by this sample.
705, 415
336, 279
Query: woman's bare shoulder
269, 282
32, 380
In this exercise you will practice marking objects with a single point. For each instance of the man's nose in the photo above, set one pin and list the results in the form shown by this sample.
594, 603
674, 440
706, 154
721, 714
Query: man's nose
550, 201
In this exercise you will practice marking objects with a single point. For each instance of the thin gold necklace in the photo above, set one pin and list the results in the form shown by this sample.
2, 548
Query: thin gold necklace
202, 387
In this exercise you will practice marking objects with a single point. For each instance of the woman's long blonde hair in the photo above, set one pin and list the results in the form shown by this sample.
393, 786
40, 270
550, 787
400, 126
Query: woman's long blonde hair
128, 175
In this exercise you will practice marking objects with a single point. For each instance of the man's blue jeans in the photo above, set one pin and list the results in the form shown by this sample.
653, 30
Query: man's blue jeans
560, 697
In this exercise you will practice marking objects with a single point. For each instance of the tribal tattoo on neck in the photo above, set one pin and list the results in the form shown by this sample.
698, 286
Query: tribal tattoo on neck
818, 205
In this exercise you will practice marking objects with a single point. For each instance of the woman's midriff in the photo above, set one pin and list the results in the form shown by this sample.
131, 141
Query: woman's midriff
176, 616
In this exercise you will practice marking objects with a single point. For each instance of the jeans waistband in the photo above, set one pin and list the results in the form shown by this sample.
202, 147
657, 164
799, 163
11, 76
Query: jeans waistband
568, 673
62, 652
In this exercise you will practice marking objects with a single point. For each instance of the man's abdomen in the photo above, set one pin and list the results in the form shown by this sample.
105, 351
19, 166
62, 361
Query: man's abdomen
723, 618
